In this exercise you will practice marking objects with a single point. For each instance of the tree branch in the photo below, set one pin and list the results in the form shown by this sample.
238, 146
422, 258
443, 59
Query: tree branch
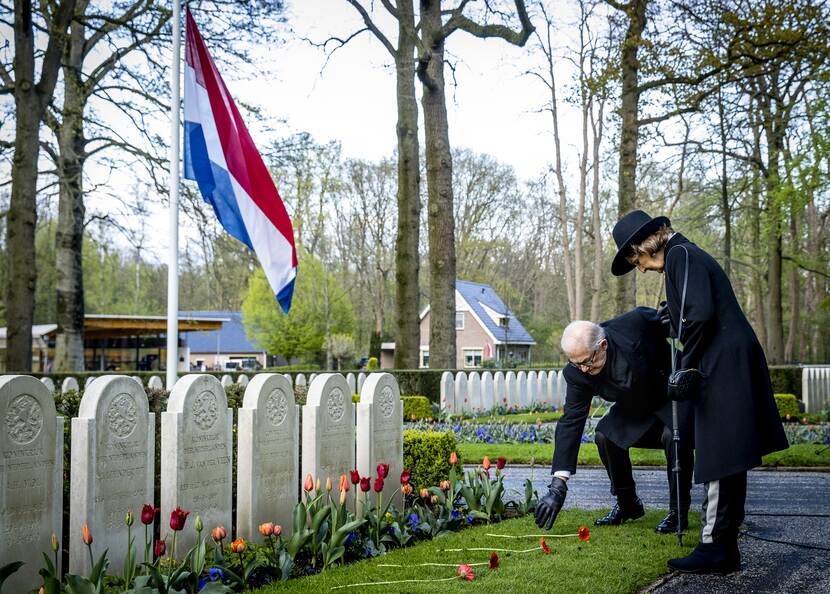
459, 21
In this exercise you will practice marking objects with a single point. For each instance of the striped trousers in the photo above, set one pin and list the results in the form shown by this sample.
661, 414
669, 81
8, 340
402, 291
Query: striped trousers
723, 509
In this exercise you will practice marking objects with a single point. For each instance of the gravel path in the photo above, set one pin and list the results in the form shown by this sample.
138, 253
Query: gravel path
767, 567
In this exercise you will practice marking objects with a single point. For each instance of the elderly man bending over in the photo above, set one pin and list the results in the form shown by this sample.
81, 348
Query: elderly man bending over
627, 361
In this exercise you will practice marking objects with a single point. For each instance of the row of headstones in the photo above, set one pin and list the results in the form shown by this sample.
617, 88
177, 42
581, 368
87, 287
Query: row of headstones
815, 388
155, 382
112, 457
479, 393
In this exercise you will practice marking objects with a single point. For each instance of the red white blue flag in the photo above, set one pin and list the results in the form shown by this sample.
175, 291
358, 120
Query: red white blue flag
221, 156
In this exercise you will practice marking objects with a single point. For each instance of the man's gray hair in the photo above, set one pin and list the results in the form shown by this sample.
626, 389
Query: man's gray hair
581, 334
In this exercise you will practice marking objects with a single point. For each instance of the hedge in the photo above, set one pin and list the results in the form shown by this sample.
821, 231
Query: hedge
416, 408
427, 455
787, 405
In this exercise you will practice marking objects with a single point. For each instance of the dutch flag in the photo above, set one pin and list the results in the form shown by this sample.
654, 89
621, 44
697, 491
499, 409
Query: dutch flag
220, 155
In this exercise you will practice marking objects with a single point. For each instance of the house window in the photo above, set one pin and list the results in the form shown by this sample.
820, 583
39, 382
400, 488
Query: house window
504, 321
472, 357
459, 320
424, 358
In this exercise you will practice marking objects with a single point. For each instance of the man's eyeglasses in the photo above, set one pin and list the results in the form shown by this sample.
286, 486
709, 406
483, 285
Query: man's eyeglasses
587, 363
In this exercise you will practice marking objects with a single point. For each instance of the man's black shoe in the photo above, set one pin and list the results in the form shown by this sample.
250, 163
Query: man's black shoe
621, 513
669, 524
715, 557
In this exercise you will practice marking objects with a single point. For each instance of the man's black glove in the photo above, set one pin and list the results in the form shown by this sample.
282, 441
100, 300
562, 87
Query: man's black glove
665, 319
548, 506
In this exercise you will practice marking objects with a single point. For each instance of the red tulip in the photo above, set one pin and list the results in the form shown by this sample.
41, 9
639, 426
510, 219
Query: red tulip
501, 462
465, 572
494, 560
364, 484
383, 470
160, 548
453, 458
544, 546
405, 476
378, 484
219, 534
355, 476
86, 535
309, 482
584, 534
177, 518
148, 514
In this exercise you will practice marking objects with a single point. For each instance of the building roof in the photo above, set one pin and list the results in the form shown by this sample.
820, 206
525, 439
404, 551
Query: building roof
489, 307
230, 339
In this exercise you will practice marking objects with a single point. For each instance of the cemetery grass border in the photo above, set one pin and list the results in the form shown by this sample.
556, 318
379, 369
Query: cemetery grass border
616, 559
799, 455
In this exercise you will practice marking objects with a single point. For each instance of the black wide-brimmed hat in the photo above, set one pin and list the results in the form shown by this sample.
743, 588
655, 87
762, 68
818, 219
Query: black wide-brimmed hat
633, 228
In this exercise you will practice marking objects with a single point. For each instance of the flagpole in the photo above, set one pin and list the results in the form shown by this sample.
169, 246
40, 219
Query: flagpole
173, 255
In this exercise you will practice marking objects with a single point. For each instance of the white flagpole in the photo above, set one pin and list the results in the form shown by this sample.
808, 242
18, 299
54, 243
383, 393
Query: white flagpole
173, 256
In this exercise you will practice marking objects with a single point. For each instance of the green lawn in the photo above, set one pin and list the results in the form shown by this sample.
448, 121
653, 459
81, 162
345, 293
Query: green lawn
521, 453
616, 559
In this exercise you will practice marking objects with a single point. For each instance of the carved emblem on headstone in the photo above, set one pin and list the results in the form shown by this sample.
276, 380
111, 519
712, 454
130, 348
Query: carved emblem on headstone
276, 407
386, 402
205, 410
24, 419
336, 404
121, 415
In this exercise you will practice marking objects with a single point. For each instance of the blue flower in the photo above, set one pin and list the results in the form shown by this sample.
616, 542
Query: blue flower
413, 520
491, 440
584, 439
216, 573
457, 428
470, 518
350, 538
455, 514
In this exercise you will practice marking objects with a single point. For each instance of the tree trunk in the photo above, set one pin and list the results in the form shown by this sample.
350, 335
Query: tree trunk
725, 206
439, 187
625, 294
775, 337
793, 346
407, 256
30, 99
69, 342
757, 284
596, 297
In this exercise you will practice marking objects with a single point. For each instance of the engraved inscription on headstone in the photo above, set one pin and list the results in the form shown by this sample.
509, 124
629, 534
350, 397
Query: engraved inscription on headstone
447, 402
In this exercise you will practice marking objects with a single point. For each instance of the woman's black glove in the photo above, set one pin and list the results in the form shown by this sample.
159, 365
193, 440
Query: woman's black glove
684, 384
548, 506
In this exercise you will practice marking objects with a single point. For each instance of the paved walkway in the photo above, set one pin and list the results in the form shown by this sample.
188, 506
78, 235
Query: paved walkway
767, 567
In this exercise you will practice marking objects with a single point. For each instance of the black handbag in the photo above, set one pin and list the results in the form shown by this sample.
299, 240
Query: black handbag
684, 384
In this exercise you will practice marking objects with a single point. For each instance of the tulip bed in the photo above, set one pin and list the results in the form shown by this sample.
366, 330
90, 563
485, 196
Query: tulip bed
615, 559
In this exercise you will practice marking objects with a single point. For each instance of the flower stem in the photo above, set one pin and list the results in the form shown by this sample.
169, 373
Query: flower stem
146, 547
531, 535
172, 554
449, 579
434, 564
91, 562
488, 549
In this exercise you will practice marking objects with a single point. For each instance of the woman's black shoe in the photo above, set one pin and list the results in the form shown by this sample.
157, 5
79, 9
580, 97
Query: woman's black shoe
669, 524
714, 557
620, 514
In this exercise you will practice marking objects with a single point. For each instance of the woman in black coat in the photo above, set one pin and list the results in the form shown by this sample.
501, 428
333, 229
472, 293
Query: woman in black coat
736, 420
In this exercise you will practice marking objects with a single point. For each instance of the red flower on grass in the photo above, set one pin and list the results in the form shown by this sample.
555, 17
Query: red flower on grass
383, 470
584, 534
465, 572
148, 514
544, 546
494, 560
177, 519
364, 484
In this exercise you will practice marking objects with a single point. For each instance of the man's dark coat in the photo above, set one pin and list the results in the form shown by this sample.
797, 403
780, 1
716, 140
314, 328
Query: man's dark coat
634, 378
736, 420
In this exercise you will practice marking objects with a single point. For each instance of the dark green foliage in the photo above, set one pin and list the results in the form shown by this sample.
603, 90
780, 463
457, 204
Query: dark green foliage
787, 406
426, 382
786, 379
427, 455
416, 408
374, 345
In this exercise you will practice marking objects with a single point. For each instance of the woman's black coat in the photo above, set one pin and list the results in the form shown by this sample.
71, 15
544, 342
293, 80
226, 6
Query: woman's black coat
736, 420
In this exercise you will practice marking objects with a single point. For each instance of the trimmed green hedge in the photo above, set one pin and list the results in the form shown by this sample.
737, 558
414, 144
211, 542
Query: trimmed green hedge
427, 455
786, 379
787, 405
416, 408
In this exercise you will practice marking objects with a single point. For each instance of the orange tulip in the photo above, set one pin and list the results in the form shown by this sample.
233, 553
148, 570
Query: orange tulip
266, 529
277, 529
424, 493
344, 483
486, 463
239, 545
219, 533
309, 482
445, 485
86, 534
406, 489
453, 458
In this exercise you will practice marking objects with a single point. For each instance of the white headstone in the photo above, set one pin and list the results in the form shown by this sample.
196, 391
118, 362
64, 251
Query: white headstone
155, 383
70, 384
512, 388
500, 390
561, 388
300, 380
31, 477
474, 391
242, 380
553, 392
447, 402
361, 377
462, 398
47, 381
532, 387
196, 456
226, 381
268, 472
288, 377
113, 469
542, 389
380, 432
88, 382
352, 381
328, 429
139, 380
311, 377
487, 394
521, 383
